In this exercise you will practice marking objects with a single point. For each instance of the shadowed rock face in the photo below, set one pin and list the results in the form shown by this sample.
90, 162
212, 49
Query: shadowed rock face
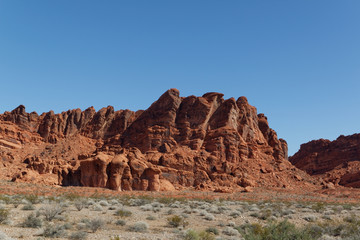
93, 171
115, 171
203, 142
336, 161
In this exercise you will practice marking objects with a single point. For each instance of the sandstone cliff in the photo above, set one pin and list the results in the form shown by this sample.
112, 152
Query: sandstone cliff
199, 142
335, 161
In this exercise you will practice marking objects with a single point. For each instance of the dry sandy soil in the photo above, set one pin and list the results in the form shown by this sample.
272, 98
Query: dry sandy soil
56, 212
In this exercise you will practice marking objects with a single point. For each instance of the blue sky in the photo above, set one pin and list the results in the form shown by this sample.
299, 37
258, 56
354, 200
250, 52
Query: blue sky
296, 61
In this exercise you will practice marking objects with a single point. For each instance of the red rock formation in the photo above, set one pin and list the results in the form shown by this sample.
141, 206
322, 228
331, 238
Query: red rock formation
202, 142
335, 161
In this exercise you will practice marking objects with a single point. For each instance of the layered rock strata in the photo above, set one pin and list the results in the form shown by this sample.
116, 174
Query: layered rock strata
178, 142
335, 161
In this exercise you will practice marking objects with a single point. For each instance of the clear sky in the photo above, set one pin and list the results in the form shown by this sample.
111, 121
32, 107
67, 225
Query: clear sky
296, 61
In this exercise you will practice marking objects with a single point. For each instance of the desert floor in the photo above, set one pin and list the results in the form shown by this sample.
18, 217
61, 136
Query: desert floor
29, 211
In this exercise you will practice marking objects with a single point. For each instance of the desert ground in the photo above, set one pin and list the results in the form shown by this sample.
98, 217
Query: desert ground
29, 211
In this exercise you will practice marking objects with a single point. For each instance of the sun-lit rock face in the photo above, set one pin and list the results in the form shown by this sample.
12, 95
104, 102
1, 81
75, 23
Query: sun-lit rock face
205, 142
335, 161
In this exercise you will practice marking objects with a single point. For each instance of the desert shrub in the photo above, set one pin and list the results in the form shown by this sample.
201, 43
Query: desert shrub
313, 230
64, 204
54, 231
345, 230
81, 225
203, 235
352, 219
230, 231
347, 206
4, 215
188, 210
115, 238
166, 200
120, 222
95, 224
337, 208
203, 213
222, 209
151, 218
146, 207
191, 235
104, 203
139, 227
97, 207
50, 211
288, 212
255, 214
329, 212
139, 201
5, 199
123, 213
212, 230
68, 225
16, 201
90, 202
221, 224
265, 214
175, 205
71, 196
195, 210
310, 218
170, 211
156, 209
234, 214
231, 224
176, 221
184, 215
327, 237
214, 209
194, 235
209, 217
78, 235
254, 208
32, 198
113, 202
31, 221
80, 204
157, 205
318, 207
28, 207
326, 217
3, 236
85, 220
276, 231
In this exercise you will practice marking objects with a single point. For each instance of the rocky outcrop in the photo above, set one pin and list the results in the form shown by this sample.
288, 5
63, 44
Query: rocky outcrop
117, 172
335, 161
51, 127
205, 142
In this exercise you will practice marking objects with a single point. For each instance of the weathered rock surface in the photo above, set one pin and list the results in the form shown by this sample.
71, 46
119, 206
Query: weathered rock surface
197, 142
335, 161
